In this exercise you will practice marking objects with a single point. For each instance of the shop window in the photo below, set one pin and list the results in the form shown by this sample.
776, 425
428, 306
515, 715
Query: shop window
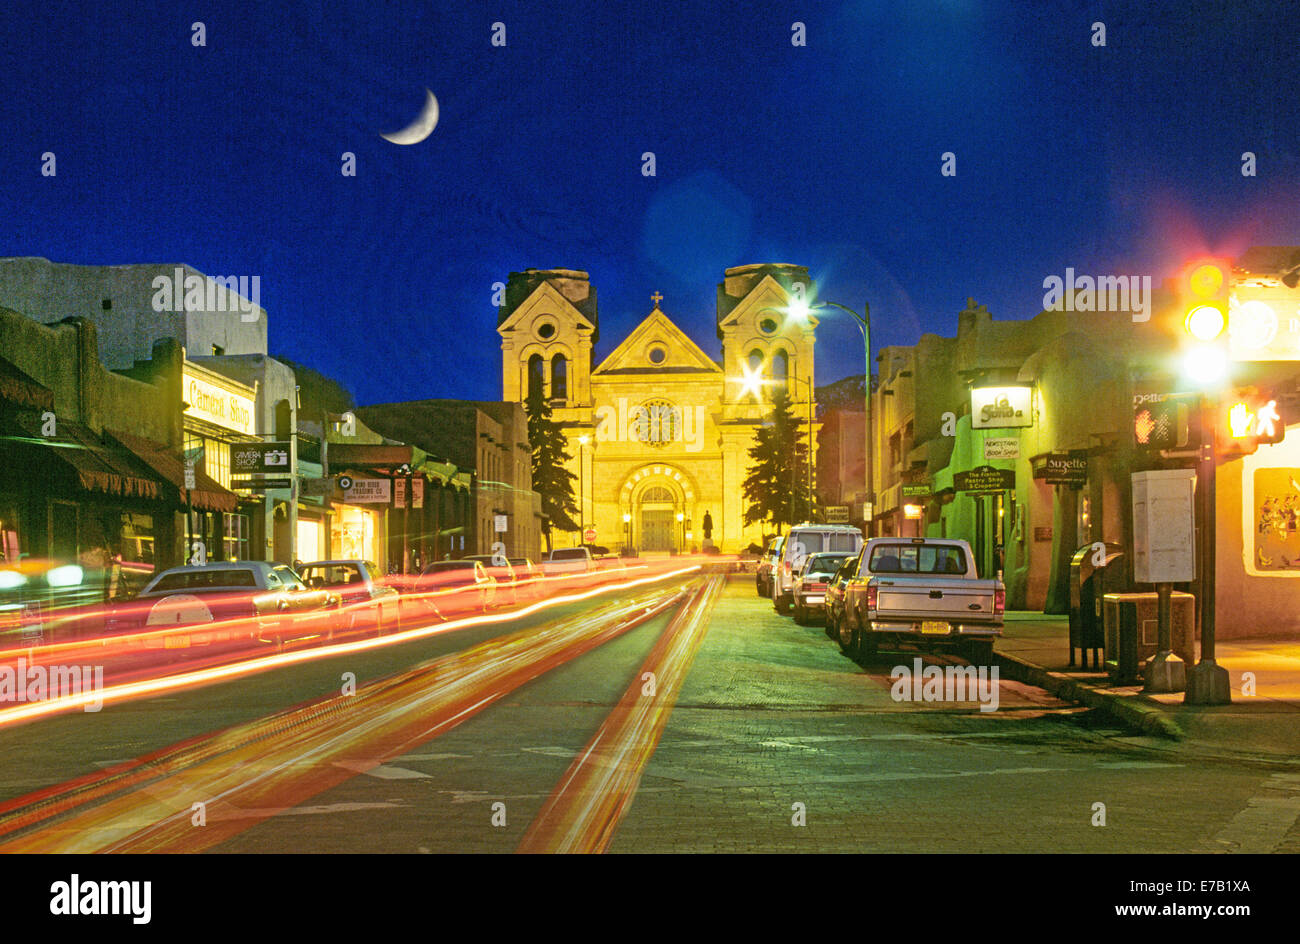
236, 537
1085, 519
136, 539
8, 532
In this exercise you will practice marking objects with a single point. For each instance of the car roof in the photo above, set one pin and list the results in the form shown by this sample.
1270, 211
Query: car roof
223, 565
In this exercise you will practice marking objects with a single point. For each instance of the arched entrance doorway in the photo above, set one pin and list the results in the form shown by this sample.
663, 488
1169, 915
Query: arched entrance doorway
656, 503
658, 514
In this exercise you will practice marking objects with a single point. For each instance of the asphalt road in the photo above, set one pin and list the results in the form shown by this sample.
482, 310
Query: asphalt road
712, 724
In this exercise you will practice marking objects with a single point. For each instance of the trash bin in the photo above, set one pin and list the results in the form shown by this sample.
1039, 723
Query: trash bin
1131, 626
1087, 584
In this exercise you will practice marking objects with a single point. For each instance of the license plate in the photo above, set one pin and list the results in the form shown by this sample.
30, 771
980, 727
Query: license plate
934, 627
176, 642
809, 601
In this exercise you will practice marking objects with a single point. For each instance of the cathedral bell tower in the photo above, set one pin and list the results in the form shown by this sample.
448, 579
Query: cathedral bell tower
548, 324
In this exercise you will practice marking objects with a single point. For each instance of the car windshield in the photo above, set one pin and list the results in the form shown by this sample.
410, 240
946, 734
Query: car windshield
332, 575
824, 563
569, 553
222, 579
439, 567
917, 559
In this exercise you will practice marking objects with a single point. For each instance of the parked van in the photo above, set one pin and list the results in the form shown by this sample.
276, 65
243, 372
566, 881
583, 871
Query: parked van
802, 541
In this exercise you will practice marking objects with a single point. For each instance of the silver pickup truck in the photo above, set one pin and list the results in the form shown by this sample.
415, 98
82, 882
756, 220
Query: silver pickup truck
924, 592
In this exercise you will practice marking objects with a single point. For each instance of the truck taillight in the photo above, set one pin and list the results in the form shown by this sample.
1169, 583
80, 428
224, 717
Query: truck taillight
872, 593
999, 601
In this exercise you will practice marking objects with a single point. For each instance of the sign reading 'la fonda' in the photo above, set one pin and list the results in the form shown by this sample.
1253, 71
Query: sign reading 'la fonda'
1000, 407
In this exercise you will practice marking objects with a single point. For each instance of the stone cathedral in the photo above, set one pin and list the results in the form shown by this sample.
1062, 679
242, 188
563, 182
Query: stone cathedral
659, 430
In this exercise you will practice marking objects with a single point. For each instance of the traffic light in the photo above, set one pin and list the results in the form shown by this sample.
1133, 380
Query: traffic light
1165, 421
1203, 289
1248, 418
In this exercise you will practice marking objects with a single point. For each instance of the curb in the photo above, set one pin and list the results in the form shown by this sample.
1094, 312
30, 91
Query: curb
1129, 710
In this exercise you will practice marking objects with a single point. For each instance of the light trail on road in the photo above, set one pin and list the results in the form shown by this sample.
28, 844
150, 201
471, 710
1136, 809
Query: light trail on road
252, 771
149, 687
592, 797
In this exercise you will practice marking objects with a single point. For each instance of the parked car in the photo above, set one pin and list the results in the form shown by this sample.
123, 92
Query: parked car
453, 587
924, 592
507, 593
366, 601
528, 578
763, 573
834, 605
261, 598
801, 541
810, 585
567, 560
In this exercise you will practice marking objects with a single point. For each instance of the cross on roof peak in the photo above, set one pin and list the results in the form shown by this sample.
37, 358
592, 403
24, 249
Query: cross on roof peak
656, 298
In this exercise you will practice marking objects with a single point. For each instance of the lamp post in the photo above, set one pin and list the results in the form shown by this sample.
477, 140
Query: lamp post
582, 491
801, 310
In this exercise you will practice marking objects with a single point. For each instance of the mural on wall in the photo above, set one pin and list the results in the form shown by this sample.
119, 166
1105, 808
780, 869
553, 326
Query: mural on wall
1277, 519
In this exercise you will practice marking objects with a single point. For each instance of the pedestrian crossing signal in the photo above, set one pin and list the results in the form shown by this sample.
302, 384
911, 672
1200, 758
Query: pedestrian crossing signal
1162, 421
1247, 419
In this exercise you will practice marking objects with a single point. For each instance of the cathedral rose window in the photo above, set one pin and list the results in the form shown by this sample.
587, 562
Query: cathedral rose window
657, 422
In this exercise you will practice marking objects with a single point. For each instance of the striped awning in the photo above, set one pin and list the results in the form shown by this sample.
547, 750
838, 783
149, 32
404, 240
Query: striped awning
100, 465
207, 495
17, 387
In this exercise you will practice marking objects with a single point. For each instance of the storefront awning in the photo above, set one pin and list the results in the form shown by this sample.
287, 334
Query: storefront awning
17, 387
208, 495
99, 465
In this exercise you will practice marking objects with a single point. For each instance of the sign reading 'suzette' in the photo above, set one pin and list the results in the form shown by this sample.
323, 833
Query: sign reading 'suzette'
1001, 407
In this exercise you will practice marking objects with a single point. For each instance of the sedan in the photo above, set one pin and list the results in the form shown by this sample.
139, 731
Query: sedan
264, 598
454, 587
810, 585
834, 606
367, 601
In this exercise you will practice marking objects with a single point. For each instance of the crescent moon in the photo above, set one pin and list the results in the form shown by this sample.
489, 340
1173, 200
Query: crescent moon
421, 127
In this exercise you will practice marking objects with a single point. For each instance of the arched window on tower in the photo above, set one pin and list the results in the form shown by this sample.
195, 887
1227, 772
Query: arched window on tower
781, 371
755, 367
536, 380
560, 377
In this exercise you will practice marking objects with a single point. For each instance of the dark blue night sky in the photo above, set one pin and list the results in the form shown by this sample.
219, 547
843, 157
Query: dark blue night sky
1117, 159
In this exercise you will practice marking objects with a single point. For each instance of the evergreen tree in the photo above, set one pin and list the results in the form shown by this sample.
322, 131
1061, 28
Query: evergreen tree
551, 479
777, 485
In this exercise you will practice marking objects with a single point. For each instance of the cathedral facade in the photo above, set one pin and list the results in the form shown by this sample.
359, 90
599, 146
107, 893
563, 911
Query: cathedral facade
659, 430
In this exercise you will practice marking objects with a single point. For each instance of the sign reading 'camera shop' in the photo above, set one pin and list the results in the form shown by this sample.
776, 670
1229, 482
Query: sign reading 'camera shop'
1000, 407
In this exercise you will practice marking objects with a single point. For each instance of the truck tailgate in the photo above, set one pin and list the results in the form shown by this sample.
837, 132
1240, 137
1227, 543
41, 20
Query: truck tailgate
934, 598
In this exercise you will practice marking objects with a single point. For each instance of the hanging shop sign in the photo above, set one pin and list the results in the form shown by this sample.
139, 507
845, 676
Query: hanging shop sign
984, 480
366, 491
1063, 468
259, 458
1001, 407
1002, 447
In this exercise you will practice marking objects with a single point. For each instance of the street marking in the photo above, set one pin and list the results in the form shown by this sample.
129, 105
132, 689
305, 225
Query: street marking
379, 771
1264, 823
595, 793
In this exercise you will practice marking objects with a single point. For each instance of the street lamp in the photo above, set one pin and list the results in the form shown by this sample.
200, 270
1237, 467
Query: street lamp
799, 309
582, 492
